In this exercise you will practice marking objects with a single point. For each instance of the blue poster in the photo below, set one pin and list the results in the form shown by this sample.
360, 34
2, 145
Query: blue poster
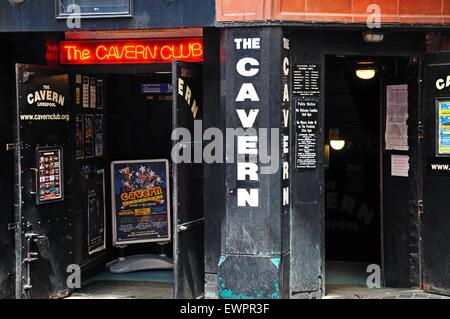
444, 128
141, 201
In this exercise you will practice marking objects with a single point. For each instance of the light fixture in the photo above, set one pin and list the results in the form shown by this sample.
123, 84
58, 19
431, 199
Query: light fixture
366, 74
336, 142
373, 36
337, 145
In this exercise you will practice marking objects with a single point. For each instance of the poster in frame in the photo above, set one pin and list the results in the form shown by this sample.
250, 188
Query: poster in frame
49, 175
140, 201
89, 136
97, 215
443, 127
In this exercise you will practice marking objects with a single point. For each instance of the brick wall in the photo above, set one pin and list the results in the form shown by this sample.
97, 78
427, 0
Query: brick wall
344, 11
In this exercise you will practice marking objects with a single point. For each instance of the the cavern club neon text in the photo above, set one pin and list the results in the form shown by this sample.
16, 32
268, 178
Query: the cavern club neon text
144, 51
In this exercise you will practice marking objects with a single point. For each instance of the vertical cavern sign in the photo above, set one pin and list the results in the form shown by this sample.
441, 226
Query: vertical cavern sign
247, 110
252, 83
285, 129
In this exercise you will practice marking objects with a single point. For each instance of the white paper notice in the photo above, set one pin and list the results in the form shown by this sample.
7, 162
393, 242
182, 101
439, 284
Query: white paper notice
400, 165
396, 117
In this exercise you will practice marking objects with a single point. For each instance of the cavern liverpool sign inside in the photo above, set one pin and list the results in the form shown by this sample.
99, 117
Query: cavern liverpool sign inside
144, 51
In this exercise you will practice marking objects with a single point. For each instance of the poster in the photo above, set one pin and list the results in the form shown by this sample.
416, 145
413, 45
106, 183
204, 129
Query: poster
79, 136
99, 142
306, 81
86, 91
140, 201
443, 129
49, 175
88, 145
400, 165
78, 82
396, 135
100, 94
306, 130
97, 215
92, 93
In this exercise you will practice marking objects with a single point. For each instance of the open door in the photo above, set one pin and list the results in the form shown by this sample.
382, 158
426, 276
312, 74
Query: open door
42, 190
436, 183
399, 174
188, 217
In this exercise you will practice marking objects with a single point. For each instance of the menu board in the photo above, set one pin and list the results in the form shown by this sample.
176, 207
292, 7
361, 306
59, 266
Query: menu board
306, 126
140, 201
306, 80
49, 175
443, 128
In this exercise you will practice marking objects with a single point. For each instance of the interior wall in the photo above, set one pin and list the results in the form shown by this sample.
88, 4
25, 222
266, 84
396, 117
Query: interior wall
353, 174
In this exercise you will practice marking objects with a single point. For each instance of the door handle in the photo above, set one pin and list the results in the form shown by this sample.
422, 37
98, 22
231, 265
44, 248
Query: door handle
36, 172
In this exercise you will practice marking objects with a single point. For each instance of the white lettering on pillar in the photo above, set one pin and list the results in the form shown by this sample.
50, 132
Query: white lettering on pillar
247, 67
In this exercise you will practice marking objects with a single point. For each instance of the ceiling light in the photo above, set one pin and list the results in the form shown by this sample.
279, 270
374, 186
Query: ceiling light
337, 145
373, 36
366, 74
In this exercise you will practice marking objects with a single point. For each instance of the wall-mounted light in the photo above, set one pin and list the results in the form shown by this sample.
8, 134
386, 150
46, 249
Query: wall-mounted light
366, 74
373, 36
336, 142
337, 145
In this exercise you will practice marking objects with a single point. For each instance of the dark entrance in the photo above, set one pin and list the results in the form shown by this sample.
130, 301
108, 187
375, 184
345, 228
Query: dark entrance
370, 157
53, 211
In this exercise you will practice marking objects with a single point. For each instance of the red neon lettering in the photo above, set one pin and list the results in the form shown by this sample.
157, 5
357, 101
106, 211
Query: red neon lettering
134, 51
101, 56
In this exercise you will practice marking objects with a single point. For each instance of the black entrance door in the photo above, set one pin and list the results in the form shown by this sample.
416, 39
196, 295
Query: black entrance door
188, 215
42, 190
400, 191
436, 183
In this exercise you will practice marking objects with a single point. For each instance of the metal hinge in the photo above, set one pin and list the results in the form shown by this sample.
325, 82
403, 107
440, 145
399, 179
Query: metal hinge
420, 132
11, 146
420, 207
13, 226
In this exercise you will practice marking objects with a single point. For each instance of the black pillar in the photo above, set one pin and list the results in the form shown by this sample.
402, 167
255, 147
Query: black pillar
255, 239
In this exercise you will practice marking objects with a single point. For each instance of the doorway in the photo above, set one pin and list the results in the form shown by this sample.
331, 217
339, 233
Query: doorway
78, 122
369, 162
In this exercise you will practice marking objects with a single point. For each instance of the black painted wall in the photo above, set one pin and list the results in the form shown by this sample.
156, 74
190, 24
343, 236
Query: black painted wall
251, 250
40, 16
213, 174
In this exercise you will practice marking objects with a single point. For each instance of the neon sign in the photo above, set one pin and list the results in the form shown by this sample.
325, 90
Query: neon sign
144, 51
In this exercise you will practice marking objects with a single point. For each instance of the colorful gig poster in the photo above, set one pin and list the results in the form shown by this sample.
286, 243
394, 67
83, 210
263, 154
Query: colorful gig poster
141, 201
443, 128
49, 174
